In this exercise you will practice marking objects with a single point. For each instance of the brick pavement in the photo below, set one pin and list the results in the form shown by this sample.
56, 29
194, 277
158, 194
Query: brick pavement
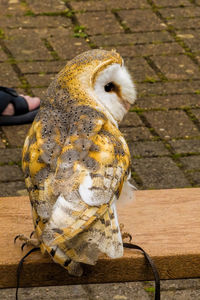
159, 40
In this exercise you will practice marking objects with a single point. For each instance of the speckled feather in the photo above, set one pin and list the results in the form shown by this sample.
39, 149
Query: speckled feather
75, 161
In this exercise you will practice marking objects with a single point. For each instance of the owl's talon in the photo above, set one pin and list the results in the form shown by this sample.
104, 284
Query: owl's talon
23, 245
126, 235
27, 241
32, 234
17, 236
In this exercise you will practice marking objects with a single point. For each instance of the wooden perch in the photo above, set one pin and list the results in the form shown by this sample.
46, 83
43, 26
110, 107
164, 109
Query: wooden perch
166, 223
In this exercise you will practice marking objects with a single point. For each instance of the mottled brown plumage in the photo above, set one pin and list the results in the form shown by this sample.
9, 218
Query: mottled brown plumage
75, 162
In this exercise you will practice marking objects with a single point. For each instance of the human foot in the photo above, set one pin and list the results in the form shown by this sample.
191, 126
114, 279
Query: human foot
33, 103
17, 109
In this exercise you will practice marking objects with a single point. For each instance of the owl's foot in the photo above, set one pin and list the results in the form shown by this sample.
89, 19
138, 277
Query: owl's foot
75, 269
125, 235
27, 241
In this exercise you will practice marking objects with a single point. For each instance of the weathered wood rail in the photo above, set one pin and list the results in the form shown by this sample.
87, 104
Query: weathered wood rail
166, 223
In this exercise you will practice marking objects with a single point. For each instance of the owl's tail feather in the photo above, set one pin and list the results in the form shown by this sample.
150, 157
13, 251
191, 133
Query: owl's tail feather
59, 257
112, 244
95, 230
102, 237
81, 223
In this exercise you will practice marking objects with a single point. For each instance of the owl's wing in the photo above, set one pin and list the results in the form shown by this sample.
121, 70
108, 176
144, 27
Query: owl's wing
89, 176
73, 192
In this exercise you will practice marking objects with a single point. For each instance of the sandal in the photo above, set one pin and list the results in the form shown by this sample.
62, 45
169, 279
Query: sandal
22, 114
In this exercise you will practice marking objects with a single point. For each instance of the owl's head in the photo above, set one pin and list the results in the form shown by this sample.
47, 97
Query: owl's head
99, 77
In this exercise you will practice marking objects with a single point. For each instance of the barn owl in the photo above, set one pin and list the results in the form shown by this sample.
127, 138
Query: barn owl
76, 161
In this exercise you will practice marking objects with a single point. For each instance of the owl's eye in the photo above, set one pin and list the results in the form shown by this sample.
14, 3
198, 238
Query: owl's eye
109, 87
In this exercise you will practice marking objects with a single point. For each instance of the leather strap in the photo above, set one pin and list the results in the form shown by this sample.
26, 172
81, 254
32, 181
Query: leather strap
19, 268
152, 265
126, 245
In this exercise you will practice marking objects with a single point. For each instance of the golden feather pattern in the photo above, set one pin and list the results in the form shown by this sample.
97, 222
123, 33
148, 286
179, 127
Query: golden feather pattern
73, 149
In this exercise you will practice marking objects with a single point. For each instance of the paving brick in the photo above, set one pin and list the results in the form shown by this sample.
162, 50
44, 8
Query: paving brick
3, 56
109, 4
181, 294
186, 146
180, 284
2, 145
41, 67
139, 69
188, 23
84, 6
148, 149
14, 188
64, 43
125, 291
131, 39
128, 4
10, 155
131, 119
196, 112
40, 80
170, 101
7, 76
190, 37
191, 162
46, 6
99, 22
26, 44
171, 3
16, 134
177, 67
180, 12
15, 21
149, 49
136, 20
195, 176
39, 92
136, 134
10, 173
162, 122
159, 173
197, 58
12, 7
167, 88
86, 292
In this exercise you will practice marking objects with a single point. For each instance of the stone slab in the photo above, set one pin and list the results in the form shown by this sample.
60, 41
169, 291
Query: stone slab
177, 67
10, 173
99, 22
157, 172
16, 134
186, 146
147, 149
8, 77
182, 126
108, 5
22, 43
46, 6
136, 20
169, 102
